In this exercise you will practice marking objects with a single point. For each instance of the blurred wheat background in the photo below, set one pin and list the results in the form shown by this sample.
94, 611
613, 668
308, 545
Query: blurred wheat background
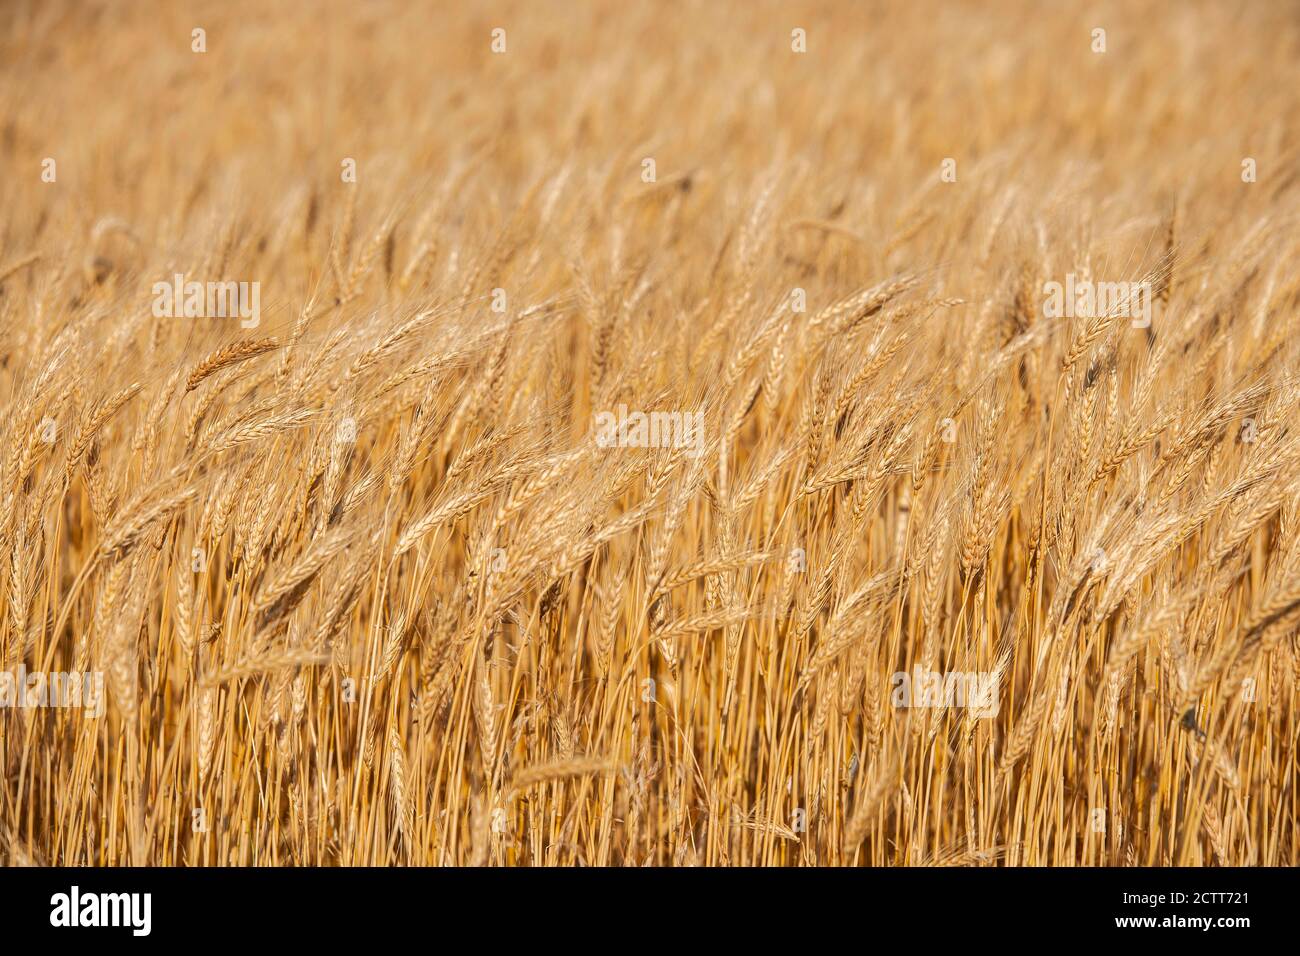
366, 590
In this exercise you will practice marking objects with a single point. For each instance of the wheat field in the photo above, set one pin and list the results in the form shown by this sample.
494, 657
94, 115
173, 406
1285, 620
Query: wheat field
369, 576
